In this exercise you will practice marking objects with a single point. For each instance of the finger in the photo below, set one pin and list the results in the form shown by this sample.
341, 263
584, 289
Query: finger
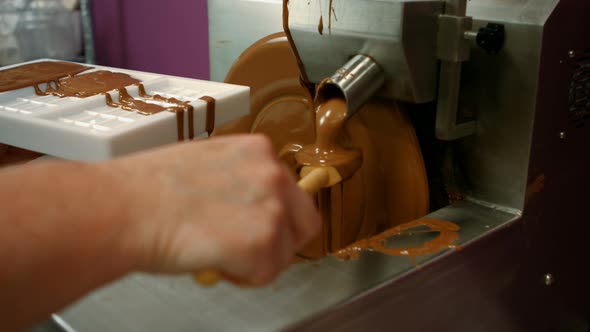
305, 220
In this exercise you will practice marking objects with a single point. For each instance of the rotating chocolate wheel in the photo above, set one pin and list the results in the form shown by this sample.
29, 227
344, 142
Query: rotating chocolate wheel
390, 187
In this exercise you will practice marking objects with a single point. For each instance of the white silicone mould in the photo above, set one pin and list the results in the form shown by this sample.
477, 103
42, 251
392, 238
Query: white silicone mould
88, 129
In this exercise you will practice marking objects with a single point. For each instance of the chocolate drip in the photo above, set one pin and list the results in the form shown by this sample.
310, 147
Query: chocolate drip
292, 42
210, 123
179, 110
128, 103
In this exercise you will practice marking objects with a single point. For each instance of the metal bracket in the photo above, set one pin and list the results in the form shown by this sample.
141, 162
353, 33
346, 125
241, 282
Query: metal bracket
453, 49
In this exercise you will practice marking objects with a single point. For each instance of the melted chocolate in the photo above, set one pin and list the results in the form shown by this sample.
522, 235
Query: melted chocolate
389, 188
179, 109
448, 234
327, 151
88, 85
210, 123
37, 73
62, 81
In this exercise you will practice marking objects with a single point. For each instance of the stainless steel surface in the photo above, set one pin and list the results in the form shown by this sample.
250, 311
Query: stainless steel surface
455, 7
501, 92
48, 326
447, 127
234, 25
152, 303
358, 80
452, 44
385, 30
453, 49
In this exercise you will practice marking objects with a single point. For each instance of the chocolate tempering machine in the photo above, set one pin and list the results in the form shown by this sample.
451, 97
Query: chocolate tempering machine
499, 95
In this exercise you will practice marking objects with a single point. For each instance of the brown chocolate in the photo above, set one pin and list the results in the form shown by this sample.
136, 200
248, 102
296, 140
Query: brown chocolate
62, 81
128, 103
389, 188
448, 235
88, 85
37, 73
210, 122
327, 151
179, 109
321, 25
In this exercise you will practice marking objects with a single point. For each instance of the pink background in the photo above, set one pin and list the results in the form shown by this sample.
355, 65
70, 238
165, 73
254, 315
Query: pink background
167, 37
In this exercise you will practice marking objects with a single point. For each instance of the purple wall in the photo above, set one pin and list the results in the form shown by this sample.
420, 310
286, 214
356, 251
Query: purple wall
167, 37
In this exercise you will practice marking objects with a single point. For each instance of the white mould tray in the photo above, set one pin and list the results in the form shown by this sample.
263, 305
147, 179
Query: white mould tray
88, 129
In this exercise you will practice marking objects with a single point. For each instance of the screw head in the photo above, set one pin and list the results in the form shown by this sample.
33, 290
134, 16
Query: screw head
562, 135
548, 279
572, 54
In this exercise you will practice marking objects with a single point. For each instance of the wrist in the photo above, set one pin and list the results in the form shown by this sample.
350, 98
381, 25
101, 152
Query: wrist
117, 212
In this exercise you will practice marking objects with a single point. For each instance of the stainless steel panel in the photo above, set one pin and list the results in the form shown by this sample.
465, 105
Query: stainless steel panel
399, 35
358, 80
234, 25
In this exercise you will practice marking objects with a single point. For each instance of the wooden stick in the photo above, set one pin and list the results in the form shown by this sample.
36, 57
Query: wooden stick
207, 277
315, 180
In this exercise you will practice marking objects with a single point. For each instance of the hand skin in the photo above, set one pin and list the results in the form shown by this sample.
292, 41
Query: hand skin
67, 228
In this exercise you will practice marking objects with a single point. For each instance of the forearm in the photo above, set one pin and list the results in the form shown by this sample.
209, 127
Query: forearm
61, 235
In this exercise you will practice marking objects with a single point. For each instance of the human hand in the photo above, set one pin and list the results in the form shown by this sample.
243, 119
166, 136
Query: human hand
226, 203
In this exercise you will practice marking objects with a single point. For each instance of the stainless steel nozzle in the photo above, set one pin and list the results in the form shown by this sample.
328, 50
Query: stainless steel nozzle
358, 80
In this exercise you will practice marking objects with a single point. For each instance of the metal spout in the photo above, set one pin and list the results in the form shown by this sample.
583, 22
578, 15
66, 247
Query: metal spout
358, 80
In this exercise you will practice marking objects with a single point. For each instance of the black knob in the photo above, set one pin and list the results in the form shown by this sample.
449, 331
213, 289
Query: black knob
491, 37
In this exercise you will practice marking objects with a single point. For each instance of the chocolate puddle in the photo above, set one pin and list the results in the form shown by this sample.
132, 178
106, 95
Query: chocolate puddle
62, 81
448, 235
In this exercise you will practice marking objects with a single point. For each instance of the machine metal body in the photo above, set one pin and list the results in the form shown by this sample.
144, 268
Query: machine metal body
383, 30
523, 266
